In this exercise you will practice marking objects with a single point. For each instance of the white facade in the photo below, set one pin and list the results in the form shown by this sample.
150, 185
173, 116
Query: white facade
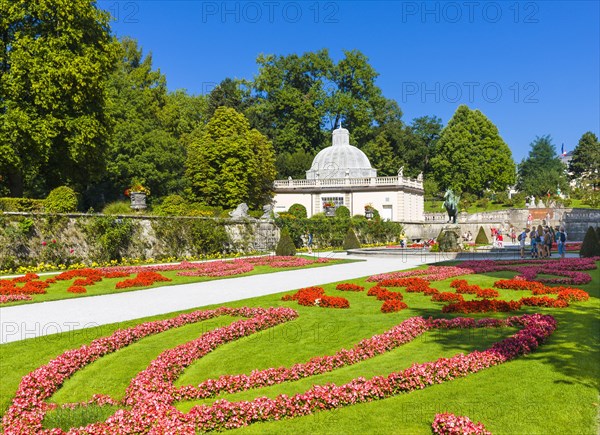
338, 176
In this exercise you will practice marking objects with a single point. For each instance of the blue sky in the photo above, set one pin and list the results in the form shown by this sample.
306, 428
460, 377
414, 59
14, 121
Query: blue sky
533, 68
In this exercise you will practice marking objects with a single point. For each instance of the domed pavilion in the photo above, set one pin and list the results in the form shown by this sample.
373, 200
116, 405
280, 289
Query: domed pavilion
341, 174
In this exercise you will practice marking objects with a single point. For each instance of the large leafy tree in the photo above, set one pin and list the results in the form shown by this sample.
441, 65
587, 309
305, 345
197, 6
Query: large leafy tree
151, 126
289, 93
229, 93
382, 156
542, 172
585, 164
298, 100
55, 57
471, 156
228, 163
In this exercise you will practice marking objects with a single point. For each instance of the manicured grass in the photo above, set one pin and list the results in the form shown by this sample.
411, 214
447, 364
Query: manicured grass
552, 390
58, 290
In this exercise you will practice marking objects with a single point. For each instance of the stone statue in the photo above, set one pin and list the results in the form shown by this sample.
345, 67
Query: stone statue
241, 212
268, 212
451, 205
401, 171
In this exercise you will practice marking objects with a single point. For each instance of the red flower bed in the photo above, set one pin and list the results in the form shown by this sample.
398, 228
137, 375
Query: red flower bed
315, 296
487, 293
26, 278
94, 274
518, 284
383, 294
348, 287
76, 289
483, 306
430, 291
544, 301
447, 297
115, 274
332, 302
83, 282
393, 305
574, 294
143, 279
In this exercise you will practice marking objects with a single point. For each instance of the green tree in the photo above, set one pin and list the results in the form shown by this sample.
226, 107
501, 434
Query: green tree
471, 156
585, 164
54, 61
425, 133
228, 163
289, 92
145, 143
293, 164
542, 171
229, 93
382, 156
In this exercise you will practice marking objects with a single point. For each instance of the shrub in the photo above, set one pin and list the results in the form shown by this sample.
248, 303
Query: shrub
590, 246
172, 205
285, 246
112, 238
298, 210
351, 241
118, 208
63, 199
21, 204
481, 238
342, 212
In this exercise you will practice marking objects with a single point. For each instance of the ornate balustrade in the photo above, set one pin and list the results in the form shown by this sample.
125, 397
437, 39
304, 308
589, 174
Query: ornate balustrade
350, 182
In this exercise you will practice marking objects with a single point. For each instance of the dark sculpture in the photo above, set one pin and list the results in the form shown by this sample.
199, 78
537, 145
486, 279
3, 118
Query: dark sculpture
451, 205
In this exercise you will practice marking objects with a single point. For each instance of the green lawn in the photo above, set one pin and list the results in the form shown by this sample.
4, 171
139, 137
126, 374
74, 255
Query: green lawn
553, 390
58, 290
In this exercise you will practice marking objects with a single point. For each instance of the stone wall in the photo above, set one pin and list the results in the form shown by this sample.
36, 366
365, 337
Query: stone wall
31, 238
575, 220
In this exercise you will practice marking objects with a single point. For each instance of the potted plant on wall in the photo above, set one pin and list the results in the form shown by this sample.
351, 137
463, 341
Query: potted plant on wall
138, 194
329, 208
369, 211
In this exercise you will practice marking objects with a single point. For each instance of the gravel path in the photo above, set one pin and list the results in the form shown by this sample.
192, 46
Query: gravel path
46, 318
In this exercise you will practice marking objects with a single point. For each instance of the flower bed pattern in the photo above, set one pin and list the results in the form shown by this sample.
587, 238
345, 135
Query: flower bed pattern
151, 393
146, 275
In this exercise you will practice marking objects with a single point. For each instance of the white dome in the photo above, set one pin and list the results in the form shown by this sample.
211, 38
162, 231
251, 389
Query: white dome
341, 160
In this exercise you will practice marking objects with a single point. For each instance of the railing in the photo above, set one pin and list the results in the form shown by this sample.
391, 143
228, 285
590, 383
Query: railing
335, 182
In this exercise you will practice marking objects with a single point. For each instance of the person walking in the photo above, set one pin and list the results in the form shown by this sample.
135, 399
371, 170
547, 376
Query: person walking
513, 235
309, 243
561, 241
522, 238
532, 237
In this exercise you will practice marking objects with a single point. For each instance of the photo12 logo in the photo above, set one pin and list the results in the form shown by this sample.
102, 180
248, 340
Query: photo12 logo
270, 12
122, 11
470, 92
470, 12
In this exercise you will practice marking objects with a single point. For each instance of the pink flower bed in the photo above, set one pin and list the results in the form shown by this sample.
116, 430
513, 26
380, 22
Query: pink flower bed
151, 393
28, 408
431, 273
450, 424
5, 299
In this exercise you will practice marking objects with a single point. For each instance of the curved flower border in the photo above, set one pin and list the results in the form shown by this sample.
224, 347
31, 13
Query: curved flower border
151, 393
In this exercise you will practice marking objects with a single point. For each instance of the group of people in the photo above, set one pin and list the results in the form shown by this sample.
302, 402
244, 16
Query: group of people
541, 240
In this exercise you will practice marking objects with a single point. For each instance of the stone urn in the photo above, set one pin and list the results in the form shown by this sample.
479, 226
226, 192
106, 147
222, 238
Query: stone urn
329, 211
138, 200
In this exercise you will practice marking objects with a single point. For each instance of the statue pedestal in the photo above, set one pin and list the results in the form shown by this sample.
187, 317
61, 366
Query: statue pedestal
449, 240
